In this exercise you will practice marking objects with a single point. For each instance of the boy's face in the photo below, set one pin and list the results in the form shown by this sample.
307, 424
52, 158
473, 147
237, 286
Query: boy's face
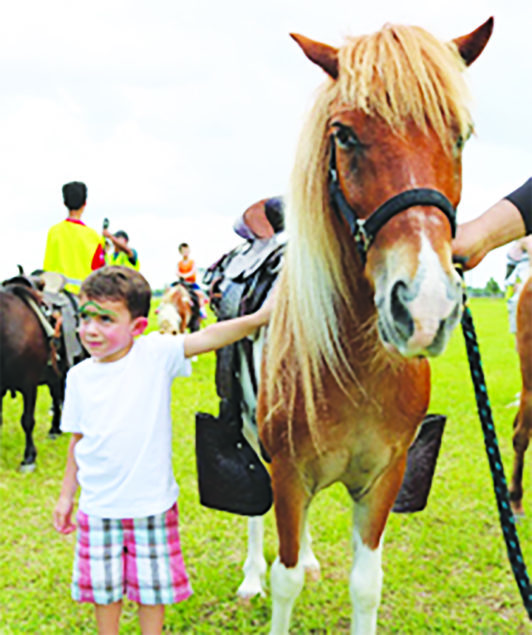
185, 251
107, 328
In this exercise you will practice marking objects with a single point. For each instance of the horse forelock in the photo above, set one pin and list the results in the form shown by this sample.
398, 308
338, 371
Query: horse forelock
403, 73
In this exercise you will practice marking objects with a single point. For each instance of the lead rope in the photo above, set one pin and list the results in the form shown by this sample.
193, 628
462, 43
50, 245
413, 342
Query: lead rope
494, 458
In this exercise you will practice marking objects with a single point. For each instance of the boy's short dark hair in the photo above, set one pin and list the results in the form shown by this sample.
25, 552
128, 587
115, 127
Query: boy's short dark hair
182, 245
122, 234
117, 284
74, 194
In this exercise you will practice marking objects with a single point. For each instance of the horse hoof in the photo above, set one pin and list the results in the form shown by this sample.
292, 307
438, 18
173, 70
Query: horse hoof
54, 435
27, 468
518, 512
246, 594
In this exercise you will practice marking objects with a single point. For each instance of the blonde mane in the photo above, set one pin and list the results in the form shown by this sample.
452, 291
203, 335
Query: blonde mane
399, 74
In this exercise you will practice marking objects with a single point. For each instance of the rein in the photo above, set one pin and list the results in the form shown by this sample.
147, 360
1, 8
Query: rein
502, 496
364, 230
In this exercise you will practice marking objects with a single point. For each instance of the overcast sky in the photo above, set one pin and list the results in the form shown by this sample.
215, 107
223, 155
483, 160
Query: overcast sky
178, 115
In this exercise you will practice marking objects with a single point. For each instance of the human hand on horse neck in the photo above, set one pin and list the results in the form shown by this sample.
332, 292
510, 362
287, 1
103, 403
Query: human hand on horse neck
497, 226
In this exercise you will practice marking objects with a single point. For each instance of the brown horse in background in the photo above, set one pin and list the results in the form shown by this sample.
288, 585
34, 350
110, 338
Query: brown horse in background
523, 419
367, 291
24, 363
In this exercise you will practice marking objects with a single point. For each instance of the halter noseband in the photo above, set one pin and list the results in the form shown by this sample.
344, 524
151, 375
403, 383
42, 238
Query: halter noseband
364, 230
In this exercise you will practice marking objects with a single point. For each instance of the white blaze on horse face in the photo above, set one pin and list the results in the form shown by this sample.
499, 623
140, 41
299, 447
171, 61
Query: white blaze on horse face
436, 308
417, 315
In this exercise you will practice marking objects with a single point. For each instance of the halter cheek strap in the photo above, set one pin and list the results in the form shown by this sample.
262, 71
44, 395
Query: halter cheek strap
364, 230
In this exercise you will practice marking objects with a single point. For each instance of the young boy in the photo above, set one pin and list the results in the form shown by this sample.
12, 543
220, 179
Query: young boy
128, 540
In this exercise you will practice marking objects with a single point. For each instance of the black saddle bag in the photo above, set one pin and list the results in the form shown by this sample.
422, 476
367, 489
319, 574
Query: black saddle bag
231, 477
420, 467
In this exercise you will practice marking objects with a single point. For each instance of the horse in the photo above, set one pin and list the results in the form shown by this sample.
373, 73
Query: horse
523, 419
367, 290
25, 355
178, 310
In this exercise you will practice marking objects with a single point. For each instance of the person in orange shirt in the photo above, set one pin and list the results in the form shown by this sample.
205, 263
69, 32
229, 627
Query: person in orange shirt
187, 272
186, 267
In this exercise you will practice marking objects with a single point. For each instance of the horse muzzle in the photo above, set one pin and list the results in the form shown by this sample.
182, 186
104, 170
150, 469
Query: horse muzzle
416, 319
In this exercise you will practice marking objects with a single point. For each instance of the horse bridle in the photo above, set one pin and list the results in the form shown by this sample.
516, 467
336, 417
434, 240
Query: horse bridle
364, 230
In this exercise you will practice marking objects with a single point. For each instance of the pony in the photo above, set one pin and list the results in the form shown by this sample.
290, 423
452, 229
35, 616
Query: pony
175, 310
25, 353
367, 290
523, 419
178, 310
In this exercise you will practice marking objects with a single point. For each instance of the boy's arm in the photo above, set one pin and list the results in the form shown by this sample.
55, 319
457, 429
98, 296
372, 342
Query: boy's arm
228, 331
63, 509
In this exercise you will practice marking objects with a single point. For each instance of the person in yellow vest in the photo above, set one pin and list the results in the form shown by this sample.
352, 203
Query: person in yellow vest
72, 248
122, 254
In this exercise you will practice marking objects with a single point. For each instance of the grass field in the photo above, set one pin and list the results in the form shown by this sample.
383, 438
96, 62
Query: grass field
445, 569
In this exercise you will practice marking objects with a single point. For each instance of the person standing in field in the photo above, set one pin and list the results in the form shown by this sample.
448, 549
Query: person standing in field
117, 407
518, 269
122, 253
72, 248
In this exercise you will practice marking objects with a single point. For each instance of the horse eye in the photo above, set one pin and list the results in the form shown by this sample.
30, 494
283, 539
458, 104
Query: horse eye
461, 139
346, 138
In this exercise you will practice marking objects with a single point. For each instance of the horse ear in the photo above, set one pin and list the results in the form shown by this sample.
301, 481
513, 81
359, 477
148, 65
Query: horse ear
323, 55
471, 46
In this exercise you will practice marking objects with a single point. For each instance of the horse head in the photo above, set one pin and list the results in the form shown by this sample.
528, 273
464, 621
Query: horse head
390, 144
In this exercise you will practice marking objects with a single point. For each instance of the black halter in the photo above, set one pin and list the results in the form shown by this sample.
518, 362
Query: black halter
365, 230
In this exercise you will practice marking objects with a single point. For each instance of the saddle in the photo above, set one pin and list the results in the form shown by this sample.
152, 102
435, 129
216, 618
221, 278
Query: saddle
238, 285
56, 310
231, 477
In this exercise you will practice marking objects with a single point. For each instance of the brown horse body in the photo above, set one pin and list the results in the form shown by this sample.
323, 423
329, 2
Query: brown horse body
523, 419
345, 381
24, 356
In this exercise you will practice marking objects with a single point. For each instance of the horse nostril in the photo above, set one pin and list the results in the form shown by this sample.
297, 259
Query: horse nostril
399, 310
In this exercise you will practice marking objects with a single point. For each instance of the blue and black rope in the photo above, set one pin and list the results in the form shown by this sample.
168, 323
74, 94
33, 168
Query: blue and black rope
494, 457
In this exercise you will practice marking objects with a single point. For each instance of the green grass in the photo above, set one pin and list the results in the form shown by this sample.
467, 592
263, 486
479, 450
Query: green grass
445, 569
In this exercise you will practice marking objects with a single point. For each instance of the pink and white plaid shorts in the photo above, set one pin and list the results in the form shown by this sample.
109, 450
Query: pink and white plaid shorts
140, 558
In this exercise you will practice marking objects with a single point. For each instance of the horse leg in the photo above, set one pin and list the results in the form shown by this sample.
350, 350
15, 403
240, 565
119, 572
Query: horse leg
521, 439
306, 555
28, 423
365, 580
255, 565
287, 574
56, 392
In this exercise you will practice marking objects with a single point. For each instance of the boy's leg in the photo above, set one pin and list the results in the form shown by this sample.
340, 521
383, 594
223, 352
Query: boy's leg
151, 618
108, 618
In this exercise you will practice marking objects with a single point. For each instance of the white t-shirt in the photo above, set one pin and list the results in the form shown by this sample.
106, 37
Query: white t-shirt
122, 409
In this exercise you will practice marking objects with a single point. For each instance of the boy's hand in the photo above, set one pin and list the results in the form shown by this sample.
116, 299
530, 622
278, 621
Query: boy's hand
265, 312
62, 516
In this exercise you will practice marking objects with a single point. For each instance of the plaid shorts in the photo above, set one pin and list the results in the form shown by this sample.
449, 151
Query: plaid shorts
137, 557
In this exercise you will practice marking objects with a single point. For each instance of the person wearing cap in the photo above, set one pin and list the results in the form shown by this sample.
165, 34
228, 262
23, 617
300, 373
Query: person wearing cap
72, 248
122, 253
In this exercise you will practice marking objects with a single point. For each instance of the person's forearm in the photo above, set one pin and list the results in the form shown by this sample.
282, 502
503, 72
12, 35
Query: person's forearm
501, 224
222, 334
